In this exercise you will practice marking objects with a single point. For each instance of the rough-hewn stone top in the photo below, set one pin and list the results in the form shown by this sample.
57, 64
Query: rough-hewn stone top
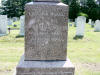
49, 0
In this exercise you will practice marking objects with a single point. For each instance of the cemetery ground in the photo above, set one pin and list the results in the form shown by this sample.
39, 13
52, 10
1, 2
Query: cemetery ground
84, 53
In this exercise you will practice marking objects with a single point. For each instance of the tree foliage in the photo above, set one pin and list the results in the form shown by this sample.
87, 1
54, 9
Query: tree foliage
88, 7
14, 8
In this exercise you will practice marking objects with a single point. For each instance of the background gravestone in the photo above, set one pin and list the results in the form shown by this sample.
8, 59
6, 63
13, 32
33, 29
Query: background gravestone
49, 0
3, 25
90, 21
92, 24
15, 19
80, 29
45, 40
22, 23
97, 26
75, 24
10, 21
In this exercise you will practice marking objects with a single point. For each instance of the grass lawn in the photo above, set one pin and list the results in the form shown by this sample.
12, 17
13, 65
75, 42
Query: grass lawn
84, 53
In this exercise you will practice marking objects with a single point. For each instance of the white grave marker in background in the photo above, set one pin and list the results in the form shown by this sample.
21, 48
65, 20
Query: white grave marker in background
3, 25
22, 23
81, 21
97, 26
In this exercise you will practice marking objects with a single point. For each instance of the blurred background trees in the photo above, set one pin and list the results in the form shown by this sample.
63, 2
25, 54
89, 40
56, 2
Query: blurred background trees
13, 8
88, 8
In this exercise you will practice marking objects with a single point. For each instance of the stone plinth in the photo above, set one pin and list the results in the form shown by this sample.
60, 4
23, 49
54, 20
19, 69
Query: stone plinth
97, 26
46, 31
45, 68
49, 0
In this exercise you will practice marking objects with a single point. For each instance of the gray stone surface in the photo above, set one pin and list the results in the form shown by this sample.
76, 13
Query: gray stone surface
3, 25
22, 24
44, 67
49, 0
46, 31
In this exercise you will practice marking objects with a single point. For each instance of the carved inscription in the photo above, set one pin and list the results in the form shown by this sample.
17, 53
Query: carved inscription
46, 33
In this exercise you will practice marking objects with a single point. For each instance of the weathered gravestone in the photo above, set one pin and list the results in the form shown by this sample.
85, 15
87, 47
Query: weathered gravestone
75, 24
22, 23
92, 24
97, 26
80, 29
10, 21
15, 19
3, 25
49, 0
45, 40
90, 21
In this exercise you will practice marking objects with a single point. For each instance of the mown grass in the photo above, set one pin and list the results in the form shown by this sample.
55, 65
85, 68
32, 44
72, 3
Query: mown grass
84, 53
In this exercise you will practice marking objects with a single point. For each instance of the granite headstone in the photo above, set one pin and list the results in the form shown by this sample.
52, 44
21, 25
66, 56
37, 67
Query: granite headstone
45, 40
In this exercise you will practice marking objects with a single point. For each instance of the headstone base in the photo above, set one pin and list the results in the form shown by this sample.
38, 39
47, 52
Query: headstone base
44, 67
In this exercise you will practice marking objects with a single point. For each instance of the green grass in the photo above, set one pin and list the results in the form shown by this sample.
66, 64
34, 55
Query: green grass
84, 53
17, 23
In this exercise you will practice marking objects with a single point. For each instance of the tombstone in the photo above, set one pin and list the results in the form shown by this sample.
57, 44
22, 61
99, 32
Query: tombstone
80, 29
75, 24
10, 21
3, 25
45, 40
97, 26
22, 23
90, 21
92, 24
15, 19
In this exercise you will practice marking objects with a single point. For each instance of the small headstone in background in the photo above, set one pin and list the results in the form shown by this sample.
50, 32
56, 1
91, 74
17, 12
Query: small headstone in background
10, 21
3, 25
97, 26
90, 21
92, 24
80, 29
75, 23
22, 23
49, 0
15, 19
45, 40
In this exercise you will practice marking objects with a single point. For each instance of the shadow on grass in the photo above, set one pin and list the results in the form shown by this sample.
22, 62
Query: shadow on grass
78, 37
19, 36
